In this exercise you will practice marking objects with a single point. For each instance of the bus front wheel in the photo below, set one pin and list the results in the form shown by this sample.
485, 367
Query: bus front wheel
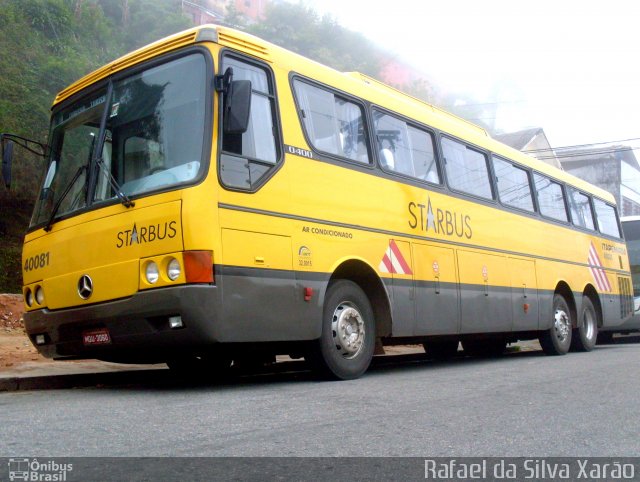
557, 339
345, 349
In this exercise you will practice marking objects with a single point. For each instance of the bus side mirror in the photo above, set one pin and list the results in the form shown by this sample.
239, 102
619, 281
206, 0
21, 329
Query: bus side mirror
237, 107
7, 157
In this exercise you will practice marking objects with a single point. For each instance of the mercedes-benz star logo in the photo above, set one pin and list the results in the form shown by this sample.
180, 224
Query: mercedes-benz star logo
85, 287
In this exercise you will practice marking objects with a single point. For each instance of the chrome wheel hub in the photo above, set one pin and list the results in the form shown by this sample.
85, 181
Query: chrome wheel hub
347, 327
562, 325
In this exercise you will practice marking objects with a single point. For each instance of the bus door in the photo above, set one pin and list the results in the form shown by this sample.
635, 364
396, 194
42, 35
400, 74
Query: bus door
437, 291
524, 294
485, 288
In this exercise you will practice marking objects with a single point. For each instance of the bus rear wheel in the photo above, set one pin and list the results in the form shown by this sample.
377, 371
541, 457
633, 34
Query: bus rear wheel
584, 337
557, 339
345, 349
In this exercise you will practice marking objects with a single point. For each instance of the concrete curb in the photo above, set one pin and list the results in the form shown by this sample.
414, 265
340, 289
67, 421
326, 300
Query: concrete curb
80, 380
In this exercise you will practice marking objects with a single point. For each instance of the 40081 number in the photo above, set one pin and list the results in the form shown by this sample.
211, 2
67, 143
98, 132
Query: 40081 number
36, 262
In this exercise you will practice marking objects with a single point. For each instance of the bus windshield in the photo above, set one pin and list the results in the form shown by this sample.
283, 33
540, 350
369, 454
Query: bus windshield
153, 139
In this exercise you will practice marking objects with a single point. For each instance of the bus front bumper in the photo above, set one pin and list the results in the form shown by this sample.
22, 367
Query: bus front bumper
141, 329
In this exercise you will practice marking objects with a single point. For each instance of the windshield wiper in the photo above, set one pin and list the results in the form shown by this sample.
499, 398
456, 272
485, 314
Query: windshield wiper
54, 211
124, 199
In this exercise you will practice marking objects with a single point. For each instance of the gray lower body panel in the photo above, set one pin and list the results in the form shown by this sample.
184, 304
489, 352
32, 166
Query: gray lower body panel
139, 327
632, 324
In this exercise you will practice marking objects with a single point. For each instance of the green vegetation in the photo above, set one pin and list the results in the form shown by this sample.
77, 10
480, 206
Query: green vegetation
45, 45
48, 44
299, 28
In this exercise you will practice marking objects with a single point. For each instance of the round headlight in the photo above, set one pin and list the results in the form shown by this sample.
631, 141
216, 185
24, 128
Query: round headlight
152, 272
173, 269
28, 298
39, 295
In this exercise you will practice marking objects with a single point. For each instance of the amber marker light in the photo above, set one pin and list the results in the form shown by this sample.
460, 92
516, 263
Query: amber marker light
198, 266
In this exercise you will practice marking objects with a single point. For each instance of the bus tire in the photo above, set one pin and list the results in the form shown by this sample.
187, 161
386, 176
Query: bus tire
557, 339
584, 337
345, 348
441, 350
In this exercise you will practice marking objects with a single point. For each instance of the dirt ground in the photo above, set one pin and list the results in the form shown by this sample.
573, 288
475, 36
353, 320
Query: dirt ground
15, 347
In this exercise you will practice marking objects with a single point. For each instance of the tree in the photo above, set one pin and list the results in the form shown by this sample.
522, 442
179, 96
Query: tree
46, 45
299, 28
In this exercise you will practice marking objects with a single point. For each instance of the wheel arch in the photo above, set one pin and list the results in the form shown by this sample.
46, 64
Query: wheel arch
591, 293
367, 279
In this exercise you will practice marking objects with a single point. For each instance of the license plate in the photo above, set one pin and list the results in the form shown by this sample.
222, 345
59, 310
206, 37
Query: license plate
96, 337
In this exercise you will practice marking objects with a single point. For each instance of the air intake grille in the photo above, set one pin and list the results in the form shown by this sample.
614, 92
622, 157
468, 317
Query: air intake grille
626, 297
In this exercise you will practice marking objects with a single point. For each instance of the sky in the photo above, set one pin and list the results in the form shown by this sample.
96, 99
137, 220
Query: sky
570, 67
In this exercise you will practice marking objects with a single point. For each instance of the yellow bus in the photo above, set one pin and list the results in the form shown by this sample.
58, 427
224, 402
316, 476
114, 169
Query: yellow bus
213, 198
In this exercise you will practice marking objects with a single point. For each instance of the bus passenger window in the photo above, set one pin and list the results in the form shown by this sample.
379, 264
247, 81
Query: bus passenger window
333, 124
466, 169
247, 158
424, 158
513, 185
580, 207
607, 218
550, 198
405, 149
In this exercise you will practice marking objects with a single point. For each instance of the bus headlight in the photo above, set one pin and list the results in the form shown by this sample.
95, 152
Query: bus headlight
173, 269
28, 298
39, 295
151, 272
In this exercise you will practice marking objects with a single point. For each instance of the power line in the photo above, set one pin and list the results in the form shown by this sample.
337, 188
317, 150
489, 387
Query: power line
456, 106
582, 145
588, 153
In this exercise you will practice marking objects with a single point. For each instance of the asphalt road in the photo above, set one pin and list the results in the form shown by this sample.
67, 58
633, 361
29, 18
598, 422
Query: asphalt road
522, 404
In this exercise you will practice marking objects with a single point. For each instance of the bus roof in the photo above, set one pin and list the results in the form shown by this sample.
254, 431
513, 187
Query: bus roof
354, 83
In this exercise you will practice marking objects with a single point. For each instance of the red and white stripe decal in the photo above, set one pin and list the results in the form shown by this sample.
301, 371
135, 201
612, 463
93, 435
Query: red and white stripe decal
597, 272
393, 261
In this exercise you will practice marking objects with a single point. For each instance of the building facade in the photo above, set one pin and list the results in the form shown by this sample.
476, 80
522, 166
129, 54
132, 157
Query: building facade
613, 168
533, 142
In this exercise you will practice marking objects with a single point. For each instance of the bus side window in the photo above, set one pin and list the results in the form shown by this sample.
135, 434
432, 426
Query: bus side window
580, 207
332, 123
405, 149
607, 218
513, 184
247, 158
466, 169
550, 198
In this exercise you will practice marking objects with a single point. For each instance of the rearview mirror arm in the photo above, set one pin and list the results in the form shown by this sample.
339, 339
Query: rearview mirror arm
25, 143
